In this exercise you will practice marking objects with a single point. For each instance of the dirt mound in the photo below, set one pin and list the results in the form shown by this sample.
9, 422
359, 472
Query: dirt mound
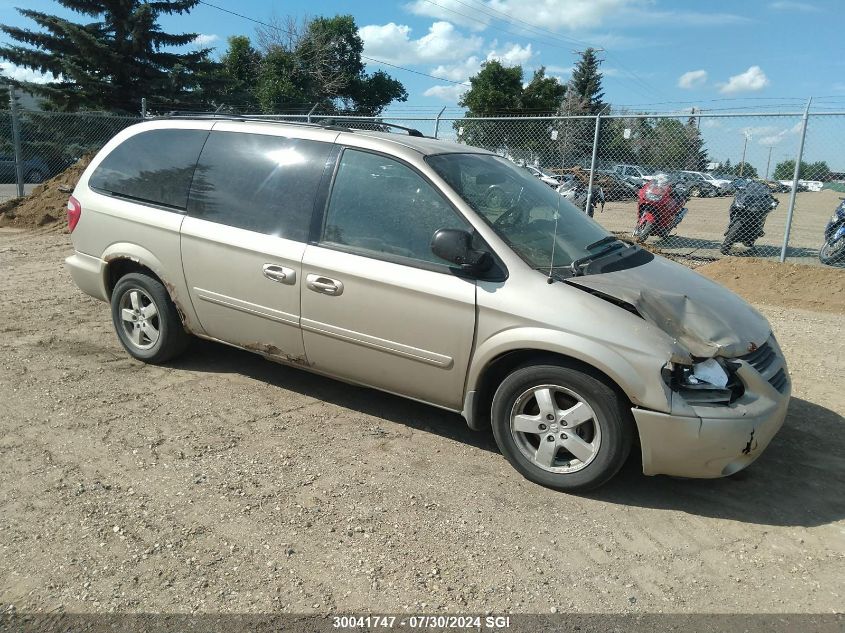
819, 288
47, 204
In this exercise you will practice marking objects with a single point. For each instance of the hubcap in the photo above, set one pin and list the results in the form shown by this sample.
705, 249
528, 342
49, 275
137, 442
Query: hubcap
555, 429
139, 317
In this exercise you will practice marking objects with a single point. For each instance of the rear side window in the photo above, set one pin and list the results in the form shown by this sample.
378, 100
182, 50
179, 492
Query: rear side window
155, 166
259, 183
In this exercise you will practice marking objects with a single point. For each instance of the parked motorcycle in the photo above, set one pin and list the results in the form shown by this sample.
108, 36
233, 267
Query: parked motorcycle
832, 251
748, 213
660, 207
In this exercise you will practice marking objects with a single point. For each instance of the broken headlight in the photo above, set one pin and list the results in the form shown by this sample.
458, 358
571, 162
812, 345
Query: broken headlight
709, 381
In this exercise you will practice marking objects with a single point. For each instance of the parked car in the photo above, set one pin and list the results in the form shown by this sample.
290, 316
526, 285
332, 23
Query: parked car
717, 187
382, 260
552, 181
695, 184
34, 170
634, 174
615, 186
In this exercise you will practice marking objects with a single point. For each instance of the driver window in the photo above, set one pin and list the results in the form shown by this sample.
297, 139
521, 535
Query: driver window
379, 206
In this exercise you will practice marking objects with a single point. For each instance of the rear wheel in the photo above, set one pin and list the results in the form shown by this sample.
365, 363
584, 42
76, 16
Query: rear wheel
731, 236
146, 321
561, 427
695, 191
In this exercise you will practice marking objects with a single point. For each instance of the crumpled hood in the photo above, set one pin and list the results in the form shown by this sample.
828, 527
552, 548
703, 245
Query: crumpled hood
704, 317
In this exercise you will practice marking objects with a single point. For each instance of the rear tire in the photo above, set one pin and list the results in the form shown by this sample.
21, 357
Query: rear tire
561, 427
146, 320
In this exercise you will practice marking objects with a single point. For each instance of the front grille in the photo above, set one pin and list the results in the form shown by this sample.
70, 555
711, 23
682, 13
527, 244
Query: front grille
762, 360
779, 380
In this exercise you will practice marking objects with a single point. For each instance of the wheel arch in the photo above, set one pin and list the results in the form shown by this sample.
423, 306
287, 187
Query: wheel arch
488, 370
122, 259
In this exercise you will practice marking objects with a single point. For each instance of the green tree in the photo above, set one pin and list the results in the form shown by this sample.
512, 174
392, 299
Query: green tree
317, 61
746, 169
818, 170
696, 154
584, 96
110, 61
498, 89
239, 67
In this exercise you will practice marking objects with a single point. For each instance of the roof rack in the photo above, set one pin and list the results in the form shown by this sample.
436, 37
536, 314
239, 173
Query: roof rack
375, 124
346, 124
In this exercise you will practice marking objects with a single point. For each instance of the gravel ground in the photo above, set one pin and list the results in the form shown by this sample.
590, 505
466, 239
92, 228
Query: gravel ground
225, 483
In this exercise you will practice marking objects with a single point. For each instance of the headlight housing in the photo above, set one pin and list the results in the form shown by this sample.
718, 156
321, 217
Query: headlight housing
710, 381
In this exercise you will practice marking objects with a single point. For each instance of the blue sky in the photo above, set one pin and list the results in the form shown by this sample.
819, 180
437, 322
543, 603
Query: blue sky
755, 55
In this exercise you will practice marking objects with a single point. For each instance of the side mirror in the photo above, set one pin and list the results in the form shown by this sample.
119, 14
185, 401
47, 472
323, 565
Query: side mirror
455, 246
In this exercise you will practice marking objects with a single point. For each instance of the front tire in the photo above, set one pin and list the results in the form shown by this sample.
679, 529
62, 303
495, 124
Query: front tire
145, 319
643, 230
832, 254
561, 427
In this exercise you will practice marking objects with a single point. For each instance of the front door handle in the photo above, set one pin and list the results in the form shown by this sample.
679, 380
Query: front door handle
281, 274
324, 285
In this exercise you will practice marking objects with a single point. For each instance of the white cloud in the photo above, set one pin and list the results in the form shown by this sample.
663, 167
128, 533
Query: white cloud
786, 5
392, 43
19, 73
773, 138
455, 11
558, 14
204, 40
513, 55
447, 93
692, 79
751, 80
460, 71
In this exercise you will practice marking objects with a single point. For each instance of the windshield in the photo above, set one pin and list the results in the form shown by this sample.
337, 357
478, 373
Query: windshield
522, 209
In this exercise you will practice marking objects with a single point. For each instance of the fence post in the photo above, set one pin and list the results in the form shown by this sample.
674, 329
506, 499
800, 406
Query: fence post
143, 107
310, 112
16, 140
437, 121
593, 163
796, 172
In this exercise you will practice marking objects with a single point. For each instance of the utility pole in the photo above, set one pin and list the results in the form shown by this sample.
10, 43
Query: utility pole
769, 161
744, 146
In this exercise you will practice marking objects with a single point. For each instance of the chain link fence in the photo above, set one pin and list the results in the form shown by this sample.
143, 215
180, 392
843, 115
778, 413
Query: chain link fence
37, 145
693, 186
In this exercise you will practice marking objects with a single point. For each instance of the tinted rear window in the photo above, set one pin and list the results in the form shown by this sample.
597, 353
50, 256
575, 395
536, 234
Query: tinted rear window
260, 183
155, 166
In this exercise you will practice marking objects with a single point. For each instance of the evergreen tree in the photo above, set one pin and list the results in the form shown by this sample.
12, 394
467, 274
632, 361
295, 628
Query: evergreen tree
109, 63
585, 96
585, 85
696, 154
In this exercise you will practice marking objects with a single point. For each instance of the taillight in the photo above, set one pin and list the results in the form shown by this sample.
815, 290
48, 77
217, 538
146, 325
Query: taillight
74, 211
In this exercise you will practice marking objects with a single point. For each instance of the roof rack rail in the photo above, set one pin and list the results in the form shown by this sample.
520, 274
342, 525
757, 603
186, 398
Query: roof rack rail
344, 123
349, 124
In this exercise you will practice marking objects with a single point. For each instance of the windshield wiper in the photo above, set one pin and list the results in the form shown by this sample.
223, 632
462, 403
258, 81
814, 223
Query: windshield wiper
605, 240
576, 265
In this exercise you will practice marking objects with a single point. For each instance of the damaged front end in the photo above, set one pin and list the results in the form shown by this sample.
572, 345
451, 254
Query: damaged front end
728, 392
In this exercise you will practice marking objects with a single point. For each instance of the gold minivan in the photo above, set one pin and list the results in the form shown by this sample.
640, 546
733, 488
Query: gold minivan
433, 270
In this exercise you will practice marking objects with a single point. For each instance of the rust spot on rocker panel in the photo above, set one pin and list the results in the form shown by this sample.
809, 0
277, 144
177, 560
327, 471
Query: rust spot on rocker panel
271, 352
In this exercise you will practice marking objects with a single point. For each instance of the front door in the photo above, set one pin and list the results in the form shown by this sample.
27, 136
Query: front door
378, 307
249, 213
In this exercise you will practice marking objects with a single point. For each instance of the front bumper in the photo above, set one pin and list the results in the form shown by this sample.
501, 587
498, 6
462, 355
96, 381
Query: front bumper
718, 440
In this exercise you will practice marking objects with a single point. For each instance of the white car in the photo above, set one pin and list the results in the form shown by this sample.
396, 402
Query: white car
720, 183
550, 180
